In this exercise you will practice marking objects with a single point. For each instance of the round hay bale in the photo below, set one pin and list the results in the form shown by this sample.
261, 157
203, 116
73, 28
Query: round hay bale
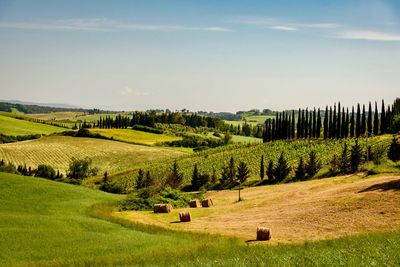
184, 216
206, 203
195, 203
162, 208
263, 233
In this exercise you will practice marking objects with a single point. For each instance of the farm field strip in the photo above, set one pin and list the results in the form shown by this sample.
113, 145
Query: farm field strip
134, 136
58, 151
12, 126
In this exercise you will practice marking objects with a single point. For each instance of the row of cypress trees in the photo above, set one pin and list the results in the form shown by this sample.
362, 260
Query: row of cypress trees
337, 122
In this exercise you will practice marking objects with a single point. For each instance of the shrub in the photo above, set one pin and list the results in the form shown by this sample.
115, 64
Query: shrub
394, 150
147, 129
282, 169
355, 157
313, 165
45, 171
80, 169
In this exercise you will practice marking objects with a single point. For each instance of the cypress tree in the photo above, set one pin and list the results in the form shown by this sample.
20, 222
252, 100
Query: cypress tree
270, 170
262, 170
273, 130
383, 118
376, 120
313, 165
314, 125
358, 121
343, 127
319, 124
339, 126
363, 122
352, 122
306, 125
282, 169
299, 122
369, 123
293, 125
303, 123
195, 178
346, 129
334, 128
326, 130
330, 123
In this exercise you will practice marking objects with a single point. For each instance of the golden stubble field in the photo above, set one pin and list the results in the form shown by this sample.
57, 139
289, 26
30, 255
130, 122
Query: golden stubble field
57, 151
297, 212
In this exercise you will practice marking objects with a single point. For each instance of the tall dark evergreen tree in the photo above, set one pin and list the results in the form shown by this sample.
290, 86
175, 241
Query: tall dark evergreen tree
326, 130
363, 122
293, 128
358, 121
369, 123
300, 173
346, 128
343, 124
352, 126
355, 156
195, 178
339, 123
383, 118
334, 128
330, 123
306, 125
314, 124
299, 122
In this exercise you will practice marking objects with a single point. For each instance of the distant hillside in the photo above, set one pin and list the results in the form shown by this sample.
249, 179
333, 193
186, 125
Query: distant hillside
8, 106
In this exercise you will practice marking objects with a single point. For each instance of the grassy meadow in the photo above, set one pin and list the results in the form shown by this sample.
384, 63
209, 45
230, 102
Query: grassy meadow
57, 151
134, 136
45, 223
13, 126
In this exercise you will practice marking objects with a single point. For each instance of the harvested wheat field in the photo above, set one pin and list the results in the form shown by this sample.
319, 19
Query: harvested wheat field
297, 212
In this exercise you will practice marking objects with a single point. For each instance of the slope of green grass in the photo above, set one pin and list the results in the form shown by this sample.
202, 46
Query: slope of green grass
12, 126
45, 223
134, 136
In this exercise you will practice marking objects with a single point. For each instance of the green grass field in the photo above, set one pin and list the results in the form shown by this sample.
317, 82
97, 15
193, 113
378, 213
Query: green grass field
134, 136
45, 223
12, 126
71, 116
57, 151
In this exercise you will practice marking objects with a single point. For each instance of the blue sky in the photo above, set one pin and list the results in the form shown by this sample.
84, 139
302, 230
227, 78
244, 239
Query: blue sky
200, 55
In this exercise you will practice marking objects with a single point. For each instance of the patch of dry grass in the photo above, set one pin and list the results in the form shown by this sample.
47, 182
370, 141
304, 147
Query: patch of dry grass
297, 212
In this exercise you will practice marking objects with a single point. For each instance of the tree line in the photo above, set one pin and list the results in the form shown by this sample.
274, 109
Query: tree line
333, 123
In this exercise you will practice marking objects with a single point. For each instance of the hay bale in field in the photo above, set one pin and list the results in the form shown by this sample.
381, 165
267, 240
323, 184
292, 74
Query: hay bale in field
206, 202
194, 203
184, 216
263, 233
162, 208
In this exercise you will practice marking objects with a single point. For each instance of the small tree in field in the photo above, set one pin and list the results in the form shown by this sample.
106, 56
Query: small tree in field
195, 178
80, 169
243, 173
176, 177
270, 171
355, 157
140, 180
45, 171
300, 173
313, 165
282, 169
394, 150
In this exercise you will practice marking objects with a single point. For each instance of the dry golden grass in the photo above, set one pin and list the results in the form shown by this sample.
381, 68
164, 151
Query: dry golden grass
296, 212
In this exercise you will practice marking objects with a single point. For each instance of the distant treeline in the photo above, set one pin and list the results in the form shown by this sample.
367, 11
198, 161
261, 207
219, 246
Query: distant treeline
32, 109
151, 118
337, 122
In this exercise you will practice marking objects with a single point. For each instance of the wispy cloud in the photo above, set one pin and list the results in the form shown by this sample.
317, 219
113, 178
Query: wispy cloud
369, 35
104, 25
126, 91
283, 28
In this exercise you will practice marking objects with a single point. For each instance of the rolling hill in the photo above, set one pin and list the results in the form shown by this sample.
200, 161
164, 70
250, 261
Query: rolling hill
13, 126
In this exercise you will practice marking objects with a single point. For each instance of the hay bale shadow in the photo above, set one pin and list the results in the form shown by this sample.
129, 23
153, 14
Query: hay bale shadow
392, 185
176, 222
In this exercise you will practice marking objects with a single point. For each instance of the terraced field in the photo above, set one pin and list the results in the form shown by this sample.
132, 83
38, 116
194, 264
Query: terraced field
135, 137
12, 126
58, 151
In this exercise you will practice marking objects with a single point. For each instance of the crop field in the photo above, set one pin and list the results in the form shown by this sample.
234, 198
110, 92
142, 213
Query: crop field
318, 209
71, 116
12, 126
251, 154
45, 223
57, 151
134, 136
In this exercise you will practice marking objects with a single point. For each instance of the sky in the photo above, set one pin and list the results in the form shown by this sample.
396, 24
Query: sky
224, 55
